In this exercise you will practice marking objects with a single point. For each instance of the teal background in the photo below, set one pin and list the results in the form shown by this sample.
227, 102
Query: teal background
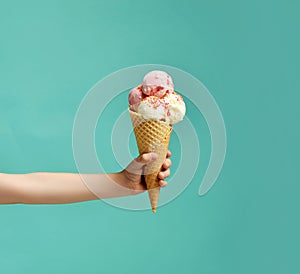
245, 52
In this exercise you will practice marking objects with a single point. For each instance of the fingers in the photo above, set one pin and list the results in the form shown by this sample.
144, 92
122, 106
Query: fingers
162, 183
167, 164
164, 174
146, 158
138, 163
165, 170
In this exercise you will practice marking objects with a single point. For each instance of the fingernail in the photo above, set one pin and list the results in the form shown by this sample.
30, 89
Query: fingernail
153, 156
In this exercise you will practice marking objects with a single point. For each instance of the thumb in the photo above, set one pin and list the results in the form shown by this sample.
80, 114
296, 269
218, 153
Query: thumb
146, 158
138, 163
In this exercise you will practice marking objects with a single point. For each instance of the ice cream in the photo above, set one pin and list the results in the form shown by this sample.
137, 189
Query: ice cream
174, 107
154, 107
135, 97
156, 99
156, 83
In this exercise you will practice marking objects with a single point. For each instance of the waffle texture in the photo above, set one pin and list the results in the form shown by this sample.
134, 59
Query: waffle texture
151, 136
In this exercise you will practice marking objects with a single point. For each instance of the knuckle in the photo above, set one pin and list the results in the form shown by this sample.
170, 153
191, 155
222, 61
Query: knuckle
143, 157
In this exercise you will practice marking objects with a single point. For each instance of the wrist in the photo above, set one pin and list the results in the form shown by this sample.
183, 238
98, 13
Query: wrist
128, 183
121, 182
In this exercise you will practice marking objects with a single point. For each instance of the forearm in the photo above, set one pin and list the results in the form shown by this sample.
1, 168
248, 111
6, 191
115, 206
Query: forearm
58, 188
8, 190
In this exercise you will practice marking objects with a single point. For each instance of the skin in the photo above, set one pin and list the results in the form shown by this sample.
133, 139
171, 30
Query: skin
62, 188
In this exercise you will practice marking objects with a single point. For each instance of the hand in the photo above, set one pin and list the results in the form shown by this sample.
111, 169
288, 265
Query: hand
132, 176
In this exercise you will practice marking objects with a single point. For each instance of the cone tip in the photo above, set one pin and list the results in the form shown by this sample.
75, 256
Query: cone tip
154, 209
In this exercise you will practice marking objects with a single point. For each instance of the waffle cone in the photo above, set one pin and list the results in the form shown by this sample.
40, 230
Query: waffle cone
151, 136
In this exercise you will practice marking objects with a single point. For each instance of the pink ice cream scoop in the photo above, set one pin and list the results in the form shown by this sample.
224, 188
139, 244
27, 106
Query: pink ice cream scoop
135, 97
156, 83
156, 99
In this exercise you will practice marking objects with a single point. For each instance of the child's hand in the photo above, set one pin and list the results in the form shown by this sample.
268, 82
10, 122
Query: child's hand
132, 176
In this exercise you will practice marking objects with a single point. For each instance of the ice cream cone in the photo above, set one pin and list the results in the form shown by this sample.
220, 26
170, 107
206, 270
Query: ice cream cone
151, 136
